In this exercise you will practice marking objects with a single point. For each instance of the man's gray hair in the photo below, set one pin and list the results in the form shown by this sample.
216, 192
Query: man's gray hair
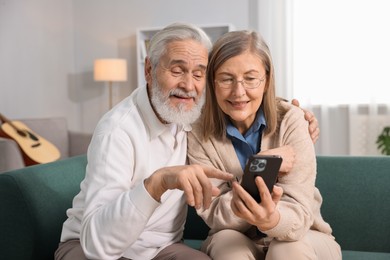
175, 32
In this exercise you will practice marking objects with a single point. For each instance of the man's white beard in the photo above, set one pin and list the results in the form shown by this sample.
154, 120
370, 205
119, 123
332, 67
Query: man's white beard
176, 114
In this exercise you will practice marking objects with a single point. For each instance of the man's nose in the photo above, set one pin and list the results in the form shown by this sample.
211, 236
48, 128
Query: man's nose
187, 81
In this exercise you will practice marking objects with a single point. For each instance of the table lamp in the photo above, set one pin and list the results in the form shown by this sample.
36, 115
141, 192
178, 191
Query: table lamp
110, 70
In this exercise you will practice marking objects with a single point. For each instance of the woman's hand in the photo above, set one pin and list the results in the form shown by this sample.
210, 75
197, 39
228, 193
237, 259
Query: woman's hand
264, 215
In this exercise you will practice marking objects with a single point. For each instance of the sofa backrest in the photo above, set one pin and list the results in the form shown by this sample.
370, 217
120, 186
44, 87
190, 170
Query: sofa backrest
33, 203
10, 155
356, 200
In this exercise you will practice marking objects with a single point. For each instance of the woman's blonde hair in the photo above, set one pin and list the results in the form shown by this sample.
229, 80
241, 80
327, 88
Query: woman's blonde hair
230, 45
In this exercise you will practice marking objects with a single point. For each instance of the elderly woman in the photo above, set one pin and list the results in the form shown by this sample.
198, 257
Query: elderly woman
243, 117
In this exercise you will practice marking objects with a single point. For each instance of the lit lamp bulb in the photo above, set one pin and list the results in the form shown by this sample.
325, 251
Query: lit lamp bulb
110, 70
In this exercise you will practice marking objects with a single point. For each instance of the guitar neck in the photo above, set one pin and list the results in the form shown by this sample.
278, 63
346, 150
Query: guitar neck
3, 118
6, 120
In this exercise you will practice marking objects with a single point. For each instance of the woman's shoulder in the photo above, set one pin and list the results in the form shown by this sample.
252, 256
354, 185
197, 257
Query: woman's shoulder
196, 128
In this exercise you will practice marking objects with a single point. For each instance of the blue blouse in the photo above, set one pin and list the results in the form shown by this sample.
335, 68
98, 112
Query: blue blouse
249, 143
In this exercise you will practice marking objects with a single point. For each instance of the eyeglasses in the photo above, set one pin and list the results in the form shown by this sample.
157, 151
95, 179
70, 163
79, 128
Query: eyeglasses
247, 82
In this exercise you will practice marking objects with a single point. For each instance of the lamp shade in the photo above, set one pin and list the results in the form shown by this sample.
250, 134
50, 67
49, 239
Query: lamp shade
110, 70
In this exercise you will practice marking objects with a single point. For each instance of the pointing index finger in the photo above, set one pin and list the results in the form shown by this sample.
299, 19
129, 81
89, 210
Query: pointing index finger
216, 173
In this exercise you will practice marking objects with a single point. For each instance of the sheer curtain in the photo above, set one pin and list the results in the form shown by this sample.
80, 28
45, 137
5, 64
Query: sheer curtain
335, 59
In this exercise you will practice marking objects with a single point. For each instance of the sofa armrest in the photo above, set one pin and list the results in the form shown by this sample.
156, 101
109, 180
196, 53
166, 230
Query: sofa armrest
33, 203
78, 143
10, 156
356, 200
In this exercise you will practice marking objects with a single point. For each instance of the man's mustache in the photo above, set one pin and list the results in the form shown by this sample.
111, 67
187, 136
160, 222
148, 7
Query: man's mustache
181, 93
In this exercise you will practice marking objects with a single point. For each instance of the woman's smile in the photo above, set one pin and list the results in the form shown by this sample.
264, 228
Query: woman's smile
238, 104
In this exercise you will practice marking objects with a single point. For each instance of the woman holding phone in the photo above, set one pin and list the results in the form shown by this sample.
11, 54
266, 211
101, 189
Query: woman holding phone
242, 116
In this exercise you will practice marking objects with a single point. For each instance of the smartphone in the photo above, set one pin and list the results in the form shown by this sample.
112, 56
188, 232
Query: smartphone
266, 166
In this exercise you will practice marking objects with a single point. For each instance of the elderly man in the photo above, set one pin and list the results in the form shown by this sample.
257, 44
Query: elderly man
133, 200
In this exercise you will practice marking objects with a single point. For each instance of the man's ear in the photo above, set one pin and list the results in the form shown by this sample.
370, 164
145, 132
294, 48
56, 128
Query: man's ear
148, 70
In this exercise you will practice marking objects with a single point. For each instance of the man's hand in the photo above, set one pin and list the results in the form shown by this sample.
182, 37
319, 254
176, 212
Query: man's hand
286, 152
314, 129
192, 179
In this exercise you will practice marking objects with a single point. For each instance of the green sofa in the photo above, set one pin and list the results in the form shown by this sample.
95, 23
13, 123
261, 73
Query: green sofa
33, 201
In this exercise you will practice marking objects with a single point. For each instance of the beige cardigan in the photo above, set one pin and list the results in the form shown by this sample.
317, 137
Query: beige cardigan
301, 201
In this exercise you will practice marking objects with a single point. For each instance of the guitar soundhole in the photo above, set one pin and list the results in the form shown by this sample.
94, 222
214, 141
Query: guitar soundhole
21, 133
33, 137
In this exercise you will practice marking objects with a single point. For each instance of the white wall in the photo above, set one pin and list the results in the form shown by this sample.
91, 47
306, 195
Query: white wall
36, 55
47, 49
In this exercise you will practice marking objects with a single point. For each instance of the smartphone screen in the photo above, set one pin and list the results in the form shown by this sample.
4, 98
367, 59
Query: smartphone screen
266, 166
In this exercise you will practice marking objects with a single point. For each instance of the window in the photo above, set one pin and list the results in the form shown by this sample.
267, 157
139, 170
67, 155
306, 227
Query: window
341, 51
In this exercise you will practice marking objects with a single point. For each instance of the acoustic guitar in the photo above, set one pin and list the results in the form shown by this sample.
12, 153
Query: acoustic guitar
35, 149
